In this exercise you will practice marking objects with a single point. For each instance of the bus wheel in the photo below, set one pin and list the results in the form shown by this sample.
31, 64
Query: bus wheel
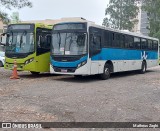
106, 72
35, 73
143, 67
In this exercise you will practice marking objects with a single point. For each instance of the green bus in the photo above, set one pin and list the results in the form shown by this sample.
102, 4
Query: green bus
29, 45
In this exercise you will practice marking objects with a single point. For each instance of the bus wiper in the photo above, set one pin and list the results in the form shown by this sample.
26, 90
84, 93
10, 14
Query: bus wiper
12, 36
59, 40
8, 35
21, 39
70, 36
65, 44
70, 42
9, 41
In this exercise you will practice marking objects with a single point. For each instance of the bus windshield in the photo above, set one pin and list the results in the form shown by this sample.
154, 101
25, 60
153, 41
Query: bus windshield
69, 44
20, 42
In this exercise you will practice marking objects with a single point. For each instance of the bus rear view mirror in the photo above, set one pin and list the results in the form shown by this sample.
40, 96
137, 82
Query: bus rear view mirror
5, 34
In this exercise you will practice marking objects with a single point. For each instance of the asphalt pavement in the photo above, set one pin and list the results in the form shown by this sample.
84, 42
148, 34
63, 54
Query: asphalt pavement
125, 97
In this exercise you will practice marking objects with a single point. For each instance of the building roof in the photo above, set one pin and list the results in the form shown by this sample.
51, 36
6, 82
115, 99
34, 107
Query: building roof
54, 21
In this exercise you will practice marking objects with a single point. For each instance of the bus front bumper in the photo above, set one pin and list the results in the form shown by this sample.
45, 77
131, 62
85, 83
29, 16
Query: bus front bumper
84, 70
10, 66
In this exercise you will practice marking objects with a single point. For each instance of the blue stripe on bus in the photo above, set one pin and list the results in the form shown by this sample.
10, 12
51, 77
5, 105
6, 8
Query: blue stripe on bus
68, 64
111, 54
122, 54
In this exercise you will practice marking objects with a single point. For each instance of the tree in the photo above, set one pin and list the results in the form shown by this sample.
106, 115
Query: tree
152, 7
15, 18
9, 4
121, 14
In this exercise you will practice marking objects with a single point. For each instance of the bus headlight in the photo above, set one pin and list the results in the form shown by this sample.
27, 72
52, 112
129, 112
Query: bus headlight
29, 61
81, 64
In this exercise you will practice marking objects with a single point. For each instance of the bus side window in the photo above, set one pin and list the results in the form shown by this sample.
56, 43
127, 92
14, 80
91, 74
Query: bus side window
155, 45
144, 43
116, 40
113, 40
126, 42
137, 43
121, 41
95, 41
110, 39
129, 42
107, 39
149, 44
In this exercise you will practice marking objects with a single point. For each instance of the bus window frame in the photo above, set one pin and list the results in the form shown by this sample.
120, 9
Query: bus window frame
109, 39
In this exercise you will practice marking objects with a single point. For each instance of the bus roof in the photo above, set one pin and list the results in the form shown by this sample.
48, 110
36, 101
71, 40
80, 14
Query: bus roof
123, 31
111, 29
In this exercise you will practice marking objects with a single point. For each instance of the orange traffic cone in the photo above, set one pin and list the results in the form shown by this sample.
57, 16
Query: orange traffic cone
14, 74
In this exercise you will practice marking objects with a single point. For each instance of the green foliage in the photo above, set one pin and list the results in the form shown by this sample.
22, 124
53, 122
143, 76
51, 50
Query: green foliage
152, 7
9, 4
121, 14
15, 18
4, 17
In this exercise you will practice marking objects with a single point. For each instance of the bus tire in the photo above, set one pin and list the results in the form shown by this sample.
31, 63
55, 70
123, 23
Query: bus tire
143, 67
1, 64
35, 73
106, 72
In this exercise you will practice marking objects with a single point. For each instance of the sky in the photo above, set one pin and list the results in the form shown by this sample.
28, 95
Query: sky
93, 10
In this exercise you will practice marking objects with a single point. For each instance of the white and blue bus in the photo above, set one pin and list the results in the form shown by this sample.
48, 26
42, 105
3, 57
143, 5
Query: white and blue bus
83, 48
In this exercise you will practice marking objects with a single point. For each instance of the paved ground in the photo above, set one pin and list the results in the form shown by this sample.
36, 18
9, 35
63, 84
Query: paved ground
125, 97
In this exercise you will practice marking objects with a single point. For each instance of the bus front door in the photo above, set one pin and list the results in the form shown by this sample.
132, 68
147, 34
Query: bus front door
95, 49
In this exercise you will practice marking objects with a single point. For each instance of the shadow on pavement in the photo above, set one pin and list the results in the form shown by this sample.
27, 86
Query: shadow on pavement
29, 75
68, 78
93, 78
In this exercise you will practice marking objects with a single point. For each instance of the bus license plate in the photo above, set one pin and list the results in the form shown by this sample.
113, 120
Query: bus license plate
63, 70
